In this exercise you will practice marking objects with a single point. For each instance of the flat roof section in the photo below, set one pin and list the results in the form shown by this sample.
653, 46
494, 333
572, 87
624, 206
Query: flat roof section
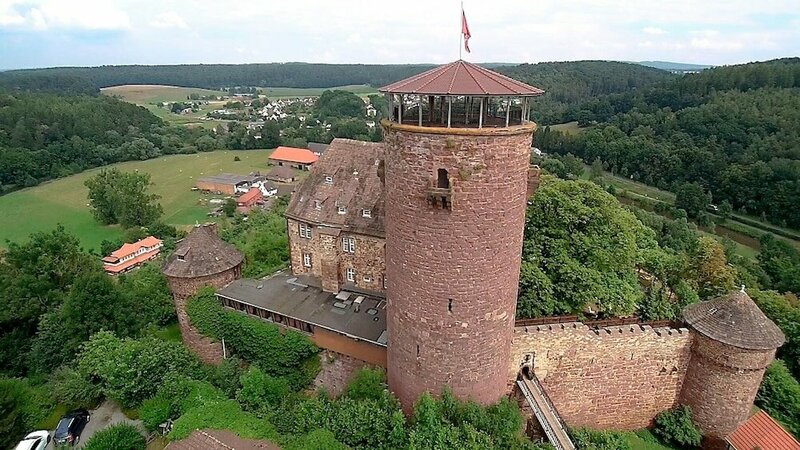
349, 313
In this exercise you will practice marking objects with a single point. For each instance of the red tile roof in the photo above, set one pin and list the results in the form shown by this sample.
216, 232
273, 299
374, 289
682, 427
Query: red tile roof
762, 432
111, 262
462, 78
292, 154
219, 440
250, 195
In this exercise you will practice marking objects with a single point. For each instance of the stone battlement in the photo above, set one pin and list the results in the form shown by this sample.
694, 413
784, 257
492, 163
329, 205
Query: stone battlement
613, 376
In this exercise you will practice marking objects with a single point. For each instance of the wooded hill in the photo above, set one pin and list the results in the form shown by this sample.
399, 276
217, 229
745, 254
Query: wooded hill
568, 84
733, 130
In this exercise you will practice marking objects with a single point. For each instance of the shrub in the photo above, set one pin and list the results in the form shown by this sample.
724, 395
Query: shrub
225, 415
22, 407
319, 439
289, 355
367, 383
71, 388
226, 376
779, 395
121, 436
588, 439
675, 426
260, 391
177, 395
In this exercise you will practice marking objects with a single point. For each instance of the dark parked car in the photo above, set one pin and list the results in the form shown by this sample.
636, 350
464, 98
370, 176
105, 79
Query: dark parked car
70, 427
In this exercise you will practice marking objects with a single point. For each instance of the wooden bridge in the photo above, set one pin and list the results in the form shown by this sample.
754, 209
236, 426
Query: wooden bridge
543, 409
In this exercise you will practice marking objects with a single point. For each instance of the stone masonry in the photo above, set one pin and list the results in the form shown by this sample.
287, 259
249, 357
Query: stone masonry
452, 273
616, 377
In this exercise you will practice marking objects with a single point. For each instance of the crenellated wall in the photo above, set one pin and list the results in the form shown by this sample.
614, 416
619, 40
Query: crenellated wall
615, 377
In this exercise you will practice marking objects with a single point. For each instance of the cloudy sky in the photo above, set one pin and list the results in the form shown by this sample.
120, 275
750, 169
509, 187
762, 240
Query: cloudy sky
43, 33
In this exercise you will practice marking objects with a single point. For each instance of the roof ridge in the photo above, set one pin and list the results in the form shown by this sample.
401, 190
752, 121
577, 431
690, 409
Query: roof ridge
499, 79
474, 79
442, 72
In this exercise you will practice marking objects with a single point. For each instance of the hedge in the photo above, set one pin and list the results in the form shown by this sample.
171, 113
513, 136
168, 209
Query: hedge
286, 354
121, 436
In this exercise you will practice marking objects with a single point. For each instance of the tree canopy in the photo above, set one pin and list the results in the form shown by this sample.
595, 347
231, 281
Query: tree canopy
123, 198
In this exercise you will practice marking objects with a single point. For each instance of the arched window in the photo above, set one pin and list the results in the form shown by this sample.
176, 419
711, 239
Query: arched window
442, 180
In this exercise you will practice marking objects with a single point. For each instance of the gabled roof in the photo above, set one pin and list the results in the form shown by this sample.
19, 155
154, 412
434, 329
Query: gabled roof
736, 320
762, 432
249, 195
462, 78
204, 253
293, 154
354, 186
128, 249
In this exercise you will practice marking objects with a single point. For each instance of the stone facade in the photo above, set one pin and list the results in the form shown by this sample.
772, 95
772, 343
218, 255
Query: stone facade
453, 272
330, 262
208, 350
720, 386
616, 377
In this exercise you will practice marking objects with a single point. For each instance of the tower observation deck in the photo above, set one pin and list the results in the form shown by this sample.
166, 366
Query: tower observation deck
456, 168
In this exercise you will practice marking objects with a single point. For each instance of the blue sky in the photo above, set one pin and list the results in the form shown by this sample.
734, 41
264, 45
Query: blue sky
43, 33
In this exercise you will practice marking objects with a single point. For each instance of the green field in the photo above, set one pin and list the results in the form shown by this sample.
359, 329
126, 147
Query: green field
142, 94
568, 127
64, 201
644, 440
282, 92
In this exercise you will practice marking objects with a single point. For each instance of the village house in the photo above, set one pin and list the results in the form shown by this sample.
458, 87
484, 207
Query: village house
132, 255
248, 200
297, 158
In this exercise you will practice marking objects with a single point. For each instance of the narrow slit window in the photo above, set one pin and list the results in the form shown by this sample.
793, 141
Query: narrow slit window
417, 350
450, 305
442, 180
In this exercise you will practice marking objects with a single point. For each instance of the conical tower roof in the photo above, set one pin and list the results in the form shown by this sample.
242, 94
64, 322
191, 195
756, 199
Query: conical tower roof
462, 78
736, 320
201, 253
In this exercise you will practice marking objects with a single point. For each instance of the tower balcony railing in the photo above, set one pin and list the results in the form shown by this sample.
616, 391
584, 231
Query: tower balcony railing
452, 111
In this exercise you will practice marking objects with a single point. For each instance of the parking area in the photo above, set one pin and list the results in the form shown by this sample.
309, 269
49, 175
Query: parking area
108, 413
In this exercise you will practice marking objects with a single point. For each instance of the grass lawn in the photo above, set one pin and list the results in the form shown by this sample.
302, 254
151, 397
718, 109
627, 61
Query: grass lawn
51, 421
64, 201
170, 332
568, 127
644, 440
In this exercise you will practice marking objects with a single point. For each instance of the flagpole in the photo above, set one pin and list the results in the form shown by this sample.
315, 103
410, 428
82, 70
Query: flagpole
460, 30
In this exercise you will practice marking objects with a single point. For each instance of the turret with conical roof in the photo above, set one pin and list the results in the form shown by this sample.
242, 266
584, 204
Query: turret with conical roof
734, 343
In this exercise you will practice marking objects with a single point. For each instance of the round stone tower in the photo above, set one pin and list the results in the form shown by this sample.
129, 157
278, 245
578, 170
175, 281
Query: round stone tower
456, 170
734, 343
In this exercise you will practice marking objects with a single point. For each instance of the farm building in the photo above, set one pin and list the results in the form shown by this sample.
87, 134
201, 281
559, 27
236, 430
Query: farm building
282, 174
250, 199
298, 158
132, 255
317, 148
227, 183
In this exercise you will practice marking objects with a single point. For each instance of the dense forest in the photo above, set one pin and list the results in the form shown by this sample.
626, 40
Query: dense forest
732, 130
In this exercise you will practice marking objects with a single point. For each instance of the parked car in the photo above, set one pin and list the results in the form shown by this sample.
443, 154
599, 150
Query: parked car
37, 440
70, 427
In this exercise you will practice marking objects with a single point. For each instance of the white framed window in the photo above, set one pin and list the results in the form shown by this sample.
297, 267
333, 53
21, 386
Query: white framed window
367, 279
328, 179
351, 274
341, 210
384, 281
307, 259
366, 213
349, 244
305, 230
317, 204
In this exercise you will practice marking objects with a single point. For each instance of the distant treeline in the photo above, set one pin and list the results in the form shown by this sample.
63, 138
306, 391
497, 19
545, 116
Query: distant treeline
733, 130
568, 84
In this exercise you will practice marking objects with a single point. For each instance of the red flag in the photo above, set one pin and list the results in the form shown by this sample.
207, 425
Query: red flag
465, 31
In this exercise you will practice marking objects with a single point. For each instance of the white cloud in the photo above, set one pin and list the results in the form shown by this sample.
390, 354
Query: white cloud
169, 20
653, 30
54, 14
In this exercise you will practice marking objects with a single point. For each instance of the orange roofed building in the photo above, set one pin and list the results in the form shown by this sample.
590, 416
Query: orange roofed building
761, 432
298, 158
132, 255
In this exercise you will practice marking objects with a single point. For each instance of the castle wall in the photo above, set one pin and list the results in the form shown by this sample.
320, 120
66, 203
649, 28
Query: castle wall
208, 350
452, 274
617, 377
721, 384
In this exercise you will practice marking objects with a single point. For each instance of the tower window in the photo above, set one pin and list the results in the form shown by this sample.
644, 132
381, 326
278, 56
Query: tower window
450, 305
417, 350
442, 180
317, 204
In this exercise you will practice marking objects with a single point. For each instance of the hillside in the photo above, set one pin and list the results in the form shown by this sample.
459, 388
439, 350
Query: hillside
732, 130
